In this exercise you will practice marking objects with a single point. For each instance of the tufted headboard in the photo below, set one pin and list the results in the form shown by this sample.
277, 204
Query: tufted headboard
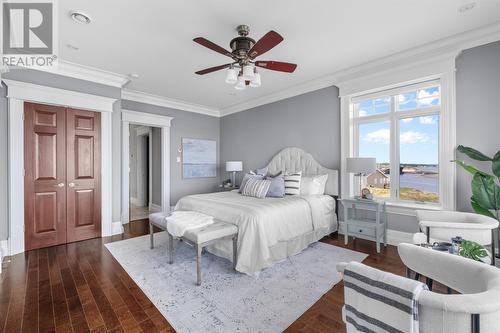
295, 159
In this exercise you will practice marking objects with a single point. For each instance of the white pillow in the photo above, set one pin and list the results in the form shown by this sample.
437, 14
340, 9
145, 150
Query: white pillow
313, 185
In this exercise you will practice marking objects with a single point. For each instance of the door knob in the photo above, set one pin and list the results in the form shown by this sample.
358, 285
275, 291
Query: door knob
71, 184
59, 185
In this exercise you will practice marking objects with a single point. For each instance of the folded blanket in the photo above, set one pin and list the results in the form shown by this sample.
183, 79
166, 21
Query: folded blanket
377, 301
181, 221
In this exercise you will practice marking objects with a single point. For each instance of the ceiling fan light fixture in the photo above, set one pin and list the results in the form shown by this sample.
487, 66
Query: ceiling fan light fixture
241, 85
248, 72
231, 75
255, 82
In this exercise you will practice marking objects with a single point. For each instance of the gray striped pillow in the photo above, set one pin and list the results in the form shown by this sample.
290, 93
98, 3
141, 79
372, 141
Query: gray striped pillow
256, 188
292, 183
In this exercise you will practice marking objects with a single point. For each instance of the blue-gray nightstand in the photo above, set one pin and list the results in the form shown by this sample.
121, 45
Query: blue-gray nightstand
362, 225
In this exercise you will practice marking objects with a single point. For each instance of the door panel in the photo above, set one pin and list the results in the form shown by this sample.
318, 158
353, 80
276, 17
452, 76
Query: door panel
83, 174
45, 175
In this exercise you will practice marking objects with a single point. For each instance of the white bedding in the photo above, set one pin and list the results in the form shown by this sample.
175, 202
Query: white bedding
265, 223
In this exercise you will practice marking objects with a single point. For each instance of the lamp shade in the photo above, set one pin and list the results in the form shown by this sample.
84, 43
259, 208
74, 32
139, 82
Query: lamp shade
234, 166
241, 85
363, 165
231, 76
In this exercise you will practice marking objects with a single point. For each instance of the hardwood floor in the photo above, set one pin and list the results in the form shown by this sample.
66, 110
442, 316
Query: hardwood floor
80, 287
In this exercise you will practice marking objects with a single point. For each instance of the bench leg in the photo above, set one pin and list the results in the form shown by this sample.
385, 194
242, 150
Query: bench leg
235, 250
170, 249
198, 264
151, 235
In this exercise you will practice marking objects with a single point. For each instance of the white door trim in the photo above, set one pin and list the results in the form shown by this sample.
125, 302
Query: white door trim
153, 120
20, 92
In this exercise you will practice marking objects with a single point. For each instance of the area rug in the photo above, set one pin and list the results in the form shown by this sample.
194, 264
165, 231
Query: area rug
228, 301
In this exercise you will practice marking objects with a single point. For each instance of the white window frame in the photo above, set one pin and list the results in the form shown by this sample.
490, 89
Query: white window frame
391, 81
393, 117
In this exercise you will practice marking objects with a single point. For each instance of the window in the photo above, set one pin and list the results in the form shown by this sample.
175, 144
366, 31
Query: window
400, 128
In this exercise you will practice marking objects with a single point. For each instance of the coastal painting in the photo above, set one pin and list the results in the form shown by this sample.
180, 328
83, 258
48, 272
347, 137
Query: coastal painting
199, 158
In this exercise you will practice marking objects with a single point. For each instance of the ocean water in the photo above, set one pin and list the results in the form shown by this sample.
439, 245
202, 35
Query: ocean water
424, 183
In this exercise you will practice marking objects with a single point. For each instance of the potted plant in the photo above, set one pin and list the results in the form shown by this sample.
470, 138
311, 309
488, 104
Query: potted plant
485, 198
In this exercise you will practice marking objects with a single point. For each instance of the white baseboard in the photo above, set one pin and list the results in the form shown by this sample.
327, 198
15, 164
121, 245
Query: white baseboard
394, 237
117, 228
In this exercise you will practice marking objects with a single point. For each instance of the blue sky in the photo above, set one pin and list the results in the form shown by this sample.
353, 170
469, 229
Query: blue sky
419, 140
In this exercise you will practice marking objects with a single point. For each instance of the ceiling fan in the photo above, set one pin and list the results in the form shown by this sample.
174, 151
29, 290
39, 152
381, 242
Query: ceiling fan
244, 50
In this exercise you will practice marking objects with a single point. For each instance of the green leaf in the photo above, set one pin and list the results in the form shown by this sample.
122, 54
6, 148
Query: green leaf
479, 209
472, 250
496, 164
473, 153
470, 168
483, 190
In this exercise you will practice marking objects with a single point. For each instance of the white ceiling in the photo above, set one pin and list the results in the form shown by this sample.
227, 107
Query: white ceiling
154, 38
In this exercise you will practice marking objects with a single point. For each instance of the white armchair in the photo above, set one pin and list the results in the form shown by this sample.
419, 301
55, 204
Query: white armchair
443, 225
476, 308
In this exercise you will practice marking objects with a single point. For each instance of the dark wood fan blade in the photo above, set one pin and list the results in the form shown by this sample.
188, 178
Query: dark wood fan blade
213, 46
212, 69
277, 66
267, 42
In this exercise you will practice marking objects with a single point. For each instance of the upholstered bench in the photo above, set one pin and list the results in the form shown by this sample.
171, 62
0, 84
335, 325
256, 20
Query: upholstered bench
158, 220
205, 236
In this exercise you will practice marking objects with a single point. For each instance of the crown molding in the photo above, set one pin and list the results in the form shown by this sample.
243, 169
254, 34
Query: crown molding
445, 48
141, 97
77, 71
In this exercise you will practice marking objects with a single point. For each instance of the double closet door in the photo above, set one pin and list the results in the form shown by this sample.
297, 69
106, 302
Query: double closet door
62, 161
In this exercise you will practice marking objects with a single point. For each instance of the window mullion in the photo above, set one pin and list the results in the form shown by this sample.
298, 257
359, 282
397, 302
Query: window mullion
394, 146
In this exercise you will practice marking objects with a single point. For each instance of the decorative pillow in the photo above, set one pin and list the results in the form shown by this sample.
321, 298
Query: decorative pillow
256, 188
261, 172
277, 187
313, 185
292, 183
246, 178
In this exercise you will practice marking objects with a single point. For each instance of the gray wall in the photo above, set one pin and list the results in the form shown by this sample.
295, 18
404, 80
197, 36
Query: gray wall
310, 121
187, 125
478, 110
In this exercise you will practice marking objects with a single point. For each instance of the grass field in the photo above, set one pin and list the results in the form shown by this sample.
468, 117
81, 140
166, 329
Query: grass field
406, 194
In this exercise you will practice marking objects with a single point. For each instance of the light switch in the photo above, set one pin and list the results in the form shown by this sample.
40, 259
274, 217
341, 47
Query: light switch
178, 159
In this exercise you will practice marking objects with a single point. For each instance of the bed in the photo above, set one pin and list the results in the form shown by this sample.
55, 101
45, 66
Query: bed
272, 229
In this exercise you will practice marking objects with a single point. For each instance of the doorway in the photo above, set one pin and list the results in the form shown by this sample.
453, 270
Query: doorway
62, 180
144, 175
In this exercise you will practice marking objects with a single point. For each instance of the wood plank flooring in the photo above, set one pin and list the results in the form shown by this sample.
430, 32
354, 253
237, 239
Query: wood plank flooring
80, 287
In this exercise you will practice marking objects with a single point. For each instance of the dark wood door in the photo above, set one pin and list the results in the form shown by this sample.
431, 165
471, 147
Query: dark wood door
83, 157
45, 175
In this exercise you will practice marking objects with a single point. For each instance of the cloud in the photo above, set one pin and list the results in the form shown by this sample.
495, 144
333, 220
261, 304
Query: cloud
427, 98
382, 135
407, 120
413, 137
363, 113
427, 120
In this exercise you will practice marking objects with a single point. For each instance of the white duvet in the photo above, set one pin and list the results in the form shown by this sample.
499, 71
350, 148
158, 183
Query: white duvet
263, 223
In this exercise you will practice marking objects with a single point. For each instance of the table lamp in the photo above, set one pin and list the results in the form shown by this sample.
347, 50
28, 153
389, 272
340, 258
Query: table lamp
234, 167
361, 166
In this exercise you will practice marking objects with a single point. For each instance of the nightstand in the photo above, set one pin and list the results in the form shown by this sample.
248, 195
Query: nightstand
363, 225
227, 189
